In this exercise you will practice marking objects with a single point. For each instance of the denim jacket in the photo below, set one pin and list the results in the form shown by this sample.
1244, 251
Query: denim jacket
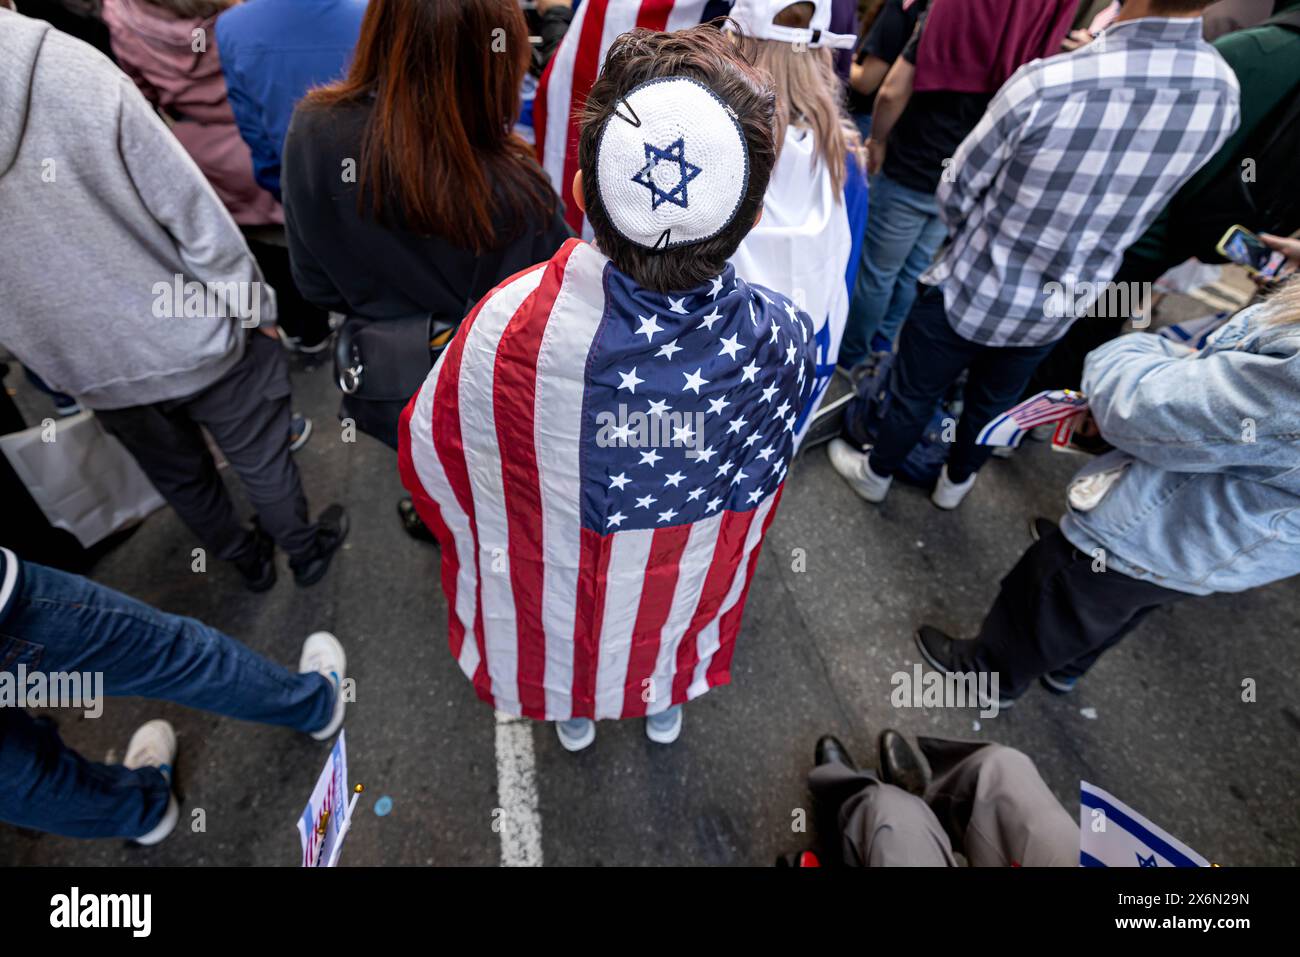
1209, 444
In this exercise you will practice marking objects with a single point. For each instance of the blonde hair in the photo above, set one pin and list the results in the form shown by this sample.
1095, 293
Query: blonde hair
808, 94
1282, 307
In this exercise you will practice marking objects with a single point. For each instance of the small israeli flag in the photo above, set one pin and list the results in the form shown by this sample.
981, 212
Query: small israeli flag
1195, 332
1112, 834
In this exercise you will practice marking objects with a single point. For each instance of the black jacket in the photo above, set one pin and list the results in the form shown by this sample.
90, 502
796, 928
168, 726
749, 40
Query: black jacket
352, 264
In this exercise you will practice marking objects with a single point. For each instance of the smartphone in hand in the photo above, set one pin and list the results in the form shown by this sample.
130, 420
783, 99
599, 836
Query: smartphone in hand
1243, 247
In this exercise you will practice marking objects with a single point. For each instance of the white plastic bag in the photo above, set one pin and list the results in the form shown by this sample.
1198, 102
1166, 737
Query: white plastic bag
84, 480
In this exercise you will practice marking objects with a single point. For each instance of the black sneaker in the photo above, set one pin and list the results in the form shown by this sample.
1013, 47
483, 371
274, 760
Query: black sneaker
331, 529
942, 652
258, 566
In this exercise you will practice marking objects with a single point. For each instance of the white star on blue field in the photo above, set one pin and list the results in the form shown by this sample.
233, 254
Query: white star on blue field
675, 153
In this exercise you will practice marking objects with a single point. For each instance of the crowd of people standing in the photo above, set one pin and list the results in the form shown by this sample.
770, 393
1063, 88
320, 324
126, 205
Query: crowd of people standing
351, 177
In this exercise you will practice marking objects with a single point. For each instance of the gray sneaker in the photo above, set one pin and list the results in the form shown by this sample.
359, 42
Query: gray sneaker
576, 733
664, 727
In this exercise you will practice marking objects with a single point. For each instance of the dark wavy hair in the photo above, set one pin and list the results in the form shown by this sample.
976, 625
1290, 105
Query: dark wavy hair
702, 53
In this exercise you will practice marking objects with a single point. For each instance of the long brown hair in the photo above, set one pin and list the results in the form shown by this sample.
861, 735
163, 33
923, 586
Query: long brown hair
438, 155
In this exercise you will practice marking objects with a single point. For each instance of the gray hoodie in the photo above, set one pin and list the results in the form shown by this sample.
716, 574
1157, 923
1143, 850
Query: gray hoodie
123, 280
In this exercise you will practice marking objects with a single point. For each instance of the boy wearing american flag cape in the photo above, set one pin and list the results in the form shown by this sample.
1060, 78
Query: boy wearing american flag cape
601, 448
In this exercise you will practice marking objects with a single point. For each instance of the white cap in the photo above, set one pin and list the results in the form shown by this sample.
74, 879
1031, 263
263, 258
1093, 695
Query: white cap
672, 166
754, 18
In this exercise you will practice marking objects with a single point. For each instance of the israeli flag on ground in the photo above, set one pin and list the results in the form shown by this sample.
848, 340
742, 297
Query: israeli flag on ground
1112, 834
807, 246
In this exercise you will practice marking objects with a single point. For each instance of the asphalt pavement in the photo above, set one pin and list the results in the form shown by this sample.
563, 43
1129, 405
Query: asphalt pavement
1160, 722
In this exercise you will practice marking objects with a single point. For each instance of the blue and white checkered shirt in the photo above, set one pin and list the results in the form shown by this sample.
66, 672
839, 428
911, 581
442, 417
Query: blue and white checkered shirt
1075, 157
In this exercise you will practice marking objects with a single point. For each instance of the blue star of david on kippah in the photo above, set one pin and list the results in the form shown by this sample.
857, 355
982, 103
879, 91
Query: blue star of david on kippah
675, 153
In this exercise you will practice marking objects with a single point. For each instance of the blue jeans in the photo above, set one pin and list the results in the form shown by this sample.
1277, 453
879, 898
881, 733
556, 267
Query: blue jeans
903, 232
65, 623
931, 357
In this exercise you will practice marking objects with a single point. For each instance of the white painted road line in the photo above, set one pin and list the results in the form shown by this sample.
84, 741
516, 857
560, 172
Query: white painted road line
519, 824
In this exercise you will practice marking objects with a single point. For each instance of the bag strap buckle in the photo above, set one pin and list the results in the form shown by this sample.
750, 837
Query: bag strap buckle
349, 379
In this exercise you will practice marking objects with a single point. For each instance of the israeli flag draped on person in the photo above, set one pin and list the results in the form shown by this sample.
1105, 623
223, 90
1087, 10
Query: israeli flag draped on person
807, 246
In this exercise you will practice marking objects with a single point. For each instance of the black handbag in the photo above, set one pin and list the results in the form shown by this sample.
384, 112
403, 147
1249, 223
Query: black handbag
380, 363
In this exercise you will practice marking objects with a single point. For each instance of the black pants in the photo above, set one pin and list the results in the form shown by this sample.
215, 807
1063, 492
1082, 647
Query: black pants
1055, 613
931, 356
247, 413
1063, 367
296, 316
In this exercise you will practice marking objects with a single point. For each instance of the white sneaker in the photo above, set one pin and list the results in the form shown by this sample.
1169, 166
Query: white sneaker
664, 727
323, 653
576, 733
947, 494
853, 468
154, 746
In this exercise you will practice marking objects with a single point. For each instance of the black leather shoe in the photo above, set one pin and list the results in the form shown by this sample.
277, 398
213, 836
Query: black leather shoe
900, 765
830, 750
1040, 528
942, 652
331, 529
258, 566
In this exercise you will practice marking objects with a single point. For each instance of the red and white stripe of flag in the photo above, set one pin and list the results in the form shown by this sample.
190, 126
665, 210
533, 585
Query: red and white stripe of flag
572, 70
549, 619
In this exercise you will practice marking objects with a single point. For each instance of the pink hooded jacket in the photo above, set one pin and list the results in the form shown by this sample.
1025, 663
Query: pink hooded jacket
156, 49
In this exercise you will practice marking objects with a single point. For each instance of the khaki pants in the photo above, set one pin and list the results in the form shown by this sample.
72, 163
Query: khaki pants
986, 800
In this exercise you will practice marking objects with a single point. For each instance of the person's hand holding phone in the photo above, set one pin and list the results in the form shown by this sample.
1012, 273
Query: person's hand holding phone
1290, 248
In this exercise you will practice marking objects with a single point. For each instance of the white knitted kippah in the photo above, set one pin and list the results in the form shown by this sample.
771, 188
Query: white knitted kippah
671, 163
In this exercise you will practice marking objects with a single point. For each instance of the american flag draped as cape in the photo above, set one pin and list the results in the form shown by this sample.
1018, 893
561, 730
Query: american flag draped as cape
600, 464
